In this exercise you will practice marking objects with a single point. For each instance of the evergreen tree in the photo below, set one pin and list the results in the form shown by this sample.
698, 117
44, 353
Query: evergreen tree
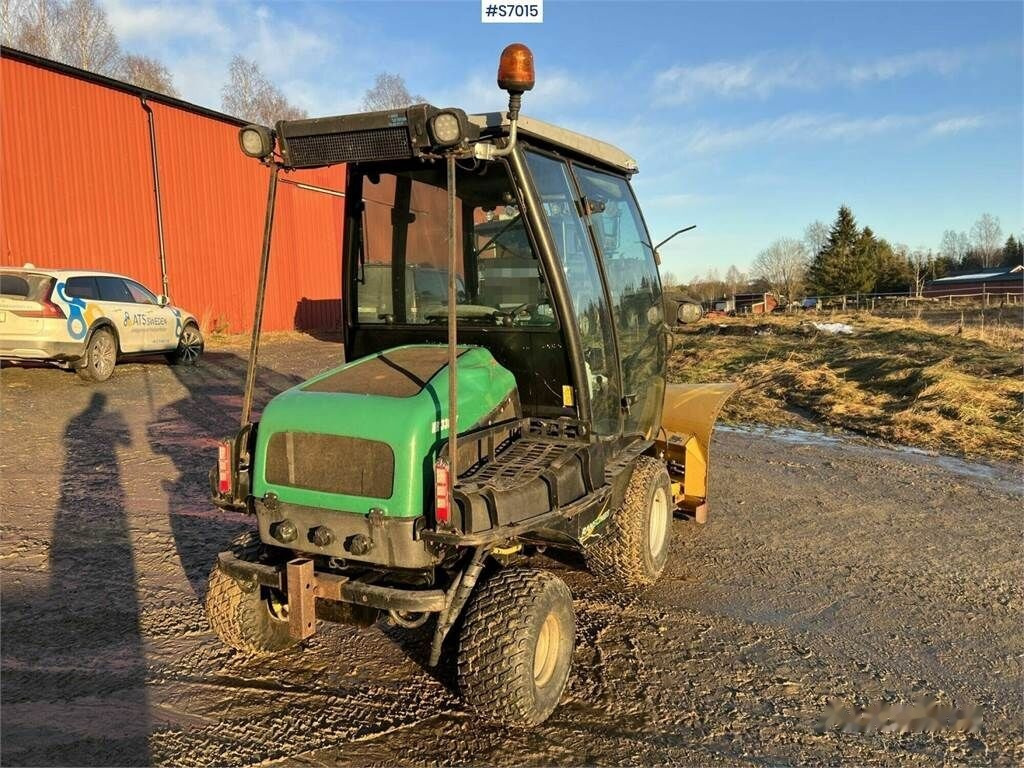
892, 273
846, 264
1013, 252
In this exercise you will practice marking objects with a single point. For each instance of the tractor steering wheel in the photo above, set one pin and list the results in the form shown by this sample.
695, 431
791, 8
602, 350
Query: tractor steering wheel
509, 315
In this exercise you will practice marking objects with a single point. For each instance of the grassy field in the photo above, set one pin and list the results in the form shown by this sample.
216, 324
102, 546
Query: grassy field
918, 382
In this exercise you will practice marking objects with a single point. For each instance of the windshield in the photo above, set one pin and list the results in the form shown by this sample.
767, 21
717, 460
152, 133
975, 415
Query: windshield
402, 276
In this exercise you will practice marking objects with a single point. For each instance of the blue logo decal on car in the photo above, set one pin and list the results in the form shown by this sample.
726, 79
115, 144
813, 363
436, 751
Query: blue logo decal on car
76, 317
177, 322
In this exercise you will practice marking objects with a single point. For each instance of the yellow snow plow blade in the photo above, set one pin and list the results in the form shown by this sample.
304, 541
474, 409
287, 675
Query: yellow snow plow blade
687, 422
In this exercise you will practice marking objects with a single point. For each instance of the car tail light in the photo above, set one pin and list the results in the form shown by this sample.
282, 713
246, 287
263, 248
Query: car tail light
49, 309
224, 468
442, 492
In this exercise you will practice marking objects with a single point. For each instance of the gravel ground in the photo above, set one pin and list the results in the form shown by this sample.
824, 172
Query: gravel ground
830, 569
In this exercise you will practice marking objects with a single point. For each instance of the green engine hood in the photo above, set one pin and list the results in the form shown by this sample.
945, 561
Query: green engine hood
394, 407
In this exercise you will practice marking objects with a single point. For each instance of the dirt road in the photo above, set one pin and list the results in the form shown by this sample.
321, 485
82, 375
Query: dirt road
829, 568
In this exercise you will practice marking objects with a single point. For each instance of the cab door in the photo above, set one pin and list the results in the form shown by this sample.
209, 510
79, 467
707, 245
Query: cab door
117, 303
634, 288
552, 178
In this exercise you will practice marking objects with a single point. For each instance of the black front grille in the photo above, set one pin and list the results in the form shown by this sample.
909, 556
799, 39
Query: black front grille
348, 147
331, 463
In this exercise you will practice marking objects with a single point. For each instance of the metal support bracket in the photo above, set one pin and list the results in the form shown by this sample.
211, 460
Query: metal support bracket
301, 598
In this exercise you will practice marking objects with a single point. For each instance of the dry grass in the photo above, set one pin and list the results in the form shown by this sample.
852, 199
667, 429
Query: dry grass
912, 382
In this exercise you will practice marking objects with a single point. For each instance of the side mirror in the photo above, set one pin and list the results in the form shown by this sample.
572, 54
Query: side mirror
162, 300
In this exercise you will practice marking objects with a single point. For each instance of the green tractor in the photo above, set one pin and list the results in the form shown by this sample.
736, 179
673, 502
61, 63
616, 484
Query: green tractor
506, 394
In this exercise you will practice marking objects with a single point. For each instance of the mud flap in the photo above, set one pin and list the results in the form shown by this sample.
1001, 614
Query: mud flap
687, 422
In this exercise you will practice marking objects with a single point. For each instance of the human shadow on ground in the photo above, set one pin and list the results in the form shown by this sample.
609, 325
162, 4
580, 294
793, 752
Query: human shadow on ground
74, 679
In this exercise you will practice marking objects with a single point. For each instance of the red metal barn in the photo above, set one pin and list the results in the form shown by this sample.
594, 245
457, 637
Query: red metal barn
77, 191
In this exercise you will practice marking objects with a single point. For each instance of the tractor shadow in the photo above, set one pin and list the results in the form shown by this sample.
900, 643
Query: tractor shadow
187, 431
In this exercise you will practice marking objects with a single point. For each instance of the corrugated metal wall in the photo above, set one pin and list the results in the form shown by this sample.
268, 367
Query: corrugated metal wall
76, 190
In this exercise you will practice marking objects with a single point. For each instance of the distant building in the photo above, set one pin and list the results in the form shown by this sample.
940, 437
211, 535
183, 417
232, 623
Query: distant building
992, 282
746, 304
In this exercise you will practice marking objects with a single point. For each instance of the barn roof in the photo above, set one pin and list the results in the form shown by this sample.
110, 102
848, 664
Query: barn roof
988, 275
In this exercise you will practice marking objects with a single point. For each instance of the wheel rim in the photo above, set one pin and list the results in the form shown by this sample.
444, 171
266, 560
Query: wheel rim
658, 526
103, 355
191, 345
277, 605
545, 655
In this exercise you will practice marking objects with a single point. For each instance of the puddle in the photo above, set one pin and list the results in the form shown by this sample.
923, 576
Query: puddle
1003, 473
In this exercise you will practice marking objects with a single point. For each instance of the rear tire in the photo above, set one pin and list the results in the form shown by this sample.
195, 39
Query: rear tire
100, 356
632, 551
190, 346
515, 646
248, 619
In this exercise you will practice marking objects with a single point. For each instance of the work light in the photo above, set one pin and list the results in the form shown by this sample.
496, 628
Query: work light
256, 141
446, 129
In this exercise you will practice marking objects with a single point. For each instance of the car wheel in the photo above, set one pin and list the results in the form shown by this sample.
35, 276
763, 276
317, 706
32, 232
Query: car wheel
100, 356
190, 346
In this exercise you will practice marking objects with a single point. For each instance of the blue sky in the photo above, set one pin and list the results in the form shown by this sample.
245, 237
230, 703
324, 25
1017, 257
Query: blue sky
747, 119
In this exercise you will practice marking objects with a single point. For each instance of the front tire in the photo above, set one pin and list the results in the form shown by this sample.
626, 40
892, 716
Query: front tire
633, 549
247, 618
190, 346
100, 356
516, 645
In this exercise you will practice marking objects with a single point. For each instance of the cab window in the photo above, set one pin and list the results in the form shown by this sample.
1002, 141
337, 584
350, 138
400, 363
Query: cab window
402, 275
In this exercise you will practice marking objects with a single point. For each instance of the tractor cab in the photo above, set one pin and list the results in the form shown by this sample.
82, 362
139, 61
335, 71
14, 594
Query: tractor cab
555, 274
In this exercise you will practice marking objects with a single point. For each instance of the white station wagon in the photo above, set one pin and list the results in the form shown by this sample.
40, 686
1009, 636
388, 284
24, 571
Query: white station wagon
89, 320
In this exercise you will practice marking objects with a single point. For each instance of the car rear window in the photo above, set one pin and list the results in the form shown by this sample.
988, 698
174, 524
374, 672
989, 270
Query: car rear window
19, 285
82, 287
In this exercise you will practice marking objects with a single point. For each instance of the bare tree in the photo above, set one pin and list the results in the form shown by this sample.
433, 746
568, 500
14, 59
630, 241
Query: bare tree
783, 265
987, 238
734, 280
251, 96
87, 40
669, 280
815, 237
146, 72
389, 92
920, 262
954, 245
33, 26
709, 287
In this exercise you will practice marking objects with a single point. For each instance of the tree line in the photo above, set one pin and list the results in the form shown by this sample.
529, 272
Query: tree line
845, 258
79, 34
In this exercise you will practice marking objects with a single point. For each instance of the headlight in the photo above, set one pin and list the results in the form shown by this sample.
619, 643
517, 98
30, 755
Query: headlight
446, 129
256, 141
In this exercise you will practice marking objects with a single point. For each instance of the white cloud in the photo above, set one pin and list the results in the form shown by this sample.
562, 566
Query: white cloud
158, 22
937, 62
760, 76
708, 139
954, 125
